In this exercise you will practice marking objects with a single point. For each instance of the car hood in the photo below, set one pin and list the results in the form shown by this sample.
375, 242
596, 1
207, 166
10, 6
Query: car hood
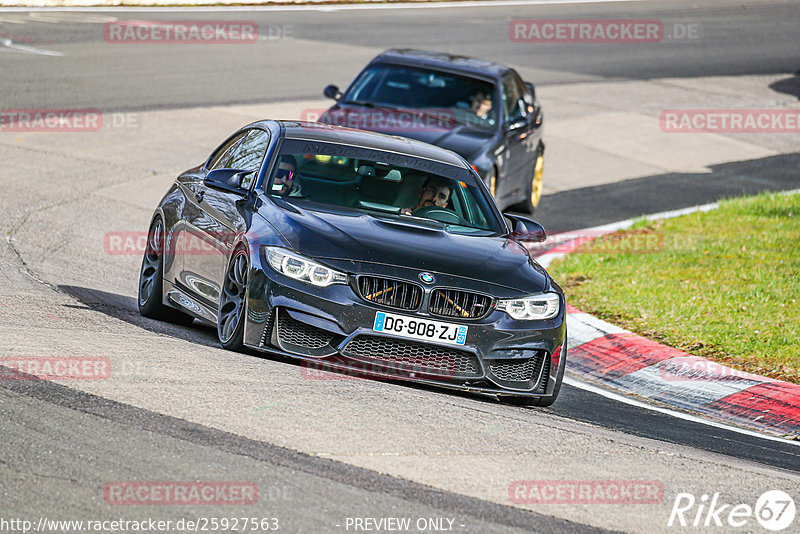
428, 127
350, 236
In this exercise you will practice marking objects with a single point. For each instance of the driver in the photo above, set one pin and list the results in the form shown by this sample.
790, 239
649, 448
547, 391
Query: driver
481, 105
434, 192
287, 183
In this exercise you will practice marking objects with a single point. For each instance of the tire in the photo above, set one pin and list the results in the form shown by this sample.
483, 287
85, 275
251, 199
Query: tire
533, 192
151, 280
233, 302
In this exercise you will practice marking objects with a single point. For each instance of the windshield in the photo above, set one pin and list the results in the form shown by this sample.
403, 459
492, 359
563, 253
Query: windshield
382, 184
466, 100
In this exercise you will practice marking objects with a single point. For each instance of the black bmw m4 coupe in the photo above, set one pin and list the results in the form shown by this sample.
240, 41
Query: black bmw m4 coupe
357, 251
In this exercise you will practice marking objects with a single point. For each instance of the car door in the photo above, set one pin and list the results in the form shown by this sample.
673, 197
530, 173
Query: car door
217, 218
187, 238
519, 146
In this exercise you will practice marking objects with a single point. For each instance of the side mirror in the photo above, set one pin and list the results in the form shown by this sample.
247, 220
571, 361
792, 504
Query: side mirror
531, 89
520, 119
365, 170
534, 108
229, 180
332, 92
526, 230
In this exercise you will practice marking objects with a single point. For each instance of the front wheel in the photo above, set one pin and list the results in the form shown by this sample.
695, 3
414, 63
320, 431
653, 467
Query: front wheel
151, 280
233, 302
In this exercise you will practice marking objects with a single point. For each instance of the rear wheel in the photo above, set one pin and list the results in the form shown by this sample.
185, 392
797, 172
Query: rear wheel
151, 280
533, 193
233, 301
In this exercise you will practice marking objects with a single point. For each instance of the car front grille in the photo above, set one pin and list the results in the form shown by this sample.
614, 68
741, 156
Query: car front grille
413, 357
455, 303
389, 292
293, 332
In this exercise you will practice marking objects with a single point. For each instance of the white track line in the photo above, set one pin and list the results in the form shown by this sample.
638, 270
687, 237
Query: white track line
325, 7
8, 43
672, 413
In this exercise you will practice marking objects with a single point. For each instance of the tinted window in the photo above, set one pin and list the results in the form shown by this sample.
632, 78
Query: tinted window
467, 100
223, 154
249, 154
385, 185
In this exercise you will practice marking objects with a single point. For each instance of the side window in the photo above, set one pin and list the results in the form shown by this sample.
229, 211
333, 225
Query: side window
513, 90
249, 154
223, 153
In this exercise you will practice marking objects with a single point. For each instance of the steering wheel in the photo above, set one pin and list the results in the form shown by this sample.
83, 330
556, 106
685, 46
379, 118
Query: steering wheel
439, 214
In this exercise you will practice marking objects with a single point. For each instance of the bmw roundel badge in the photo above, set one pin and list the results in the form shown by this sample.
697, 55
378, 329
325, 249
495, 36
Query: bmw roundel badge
427, 278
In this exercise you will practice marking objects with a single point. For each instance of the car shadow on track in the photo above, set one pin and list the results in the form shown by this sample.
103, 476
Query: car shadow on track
603, 204
788, 86
126, 309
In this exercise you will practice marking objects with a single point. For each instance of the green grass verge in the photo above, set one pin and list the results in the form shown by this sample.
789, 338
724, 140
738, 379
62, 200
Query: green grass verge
723, 284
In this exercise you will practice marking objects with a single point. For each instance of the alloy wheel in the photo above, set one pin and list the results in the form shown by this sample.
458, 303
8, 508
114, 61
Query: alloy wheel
151, 266
232, 300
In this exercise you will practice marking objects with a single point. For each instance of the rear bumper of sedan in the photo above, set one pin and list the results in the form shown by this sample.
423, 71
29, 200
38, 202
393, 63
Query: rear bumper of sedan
331, 328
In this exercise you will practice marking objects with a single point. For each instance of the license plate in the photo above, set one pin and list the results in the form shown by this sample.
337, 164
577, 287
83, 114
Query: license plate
423, 329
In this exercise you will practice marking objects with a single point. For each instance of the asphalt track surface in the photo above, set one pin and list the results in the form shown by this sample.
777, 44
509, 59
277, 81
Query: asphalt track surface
324, 47
62, 444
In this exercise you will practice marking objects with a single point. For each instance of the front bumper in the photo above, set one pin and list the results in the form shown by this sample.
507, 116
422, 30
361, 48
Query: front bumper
331, 328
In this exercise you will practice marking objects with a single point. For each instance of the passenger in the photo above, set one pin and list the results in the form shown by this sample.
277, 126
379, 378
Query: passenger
287, 182
434, 192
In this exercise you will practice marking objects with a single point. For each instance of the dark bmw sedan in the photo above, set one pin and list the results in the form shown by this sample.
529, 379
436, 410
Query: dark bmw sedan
481, 110
360, 252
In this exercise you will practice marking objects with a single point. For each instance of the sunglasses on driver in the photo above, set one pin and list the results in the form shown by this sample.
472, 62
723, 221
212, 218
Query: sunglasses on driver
285, 174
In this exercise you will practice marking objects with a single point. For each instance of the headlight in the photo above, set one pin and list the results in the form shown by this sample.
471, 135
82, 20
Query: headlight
297, 267
537, 307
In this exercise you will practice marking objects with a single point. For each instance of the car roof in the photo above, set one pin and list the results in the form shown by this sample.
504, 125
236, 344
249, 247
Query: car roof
442, 61
315, 131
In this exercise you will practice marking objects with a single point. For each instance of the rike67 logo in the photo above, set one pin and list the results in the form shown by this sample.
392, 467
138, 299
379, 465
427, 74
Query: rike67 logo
774, 510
